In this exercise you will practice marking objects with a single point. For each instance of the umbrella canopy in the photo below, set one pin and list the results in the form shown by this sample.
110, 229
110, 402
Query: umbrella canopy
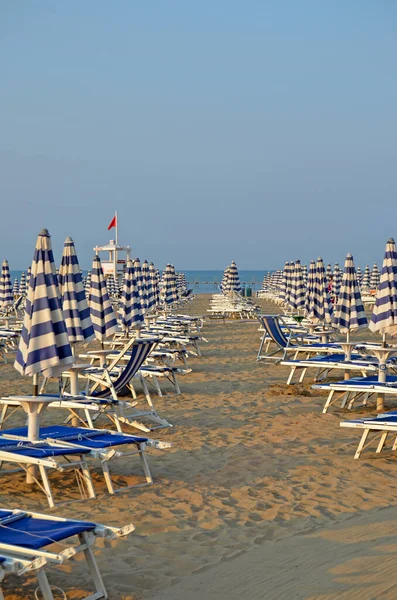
44, 345
366, 280
15, 287
233, 280
359, 275
337, 280
146, 286
349, 311
150, 283
375, 277
154, 282
384, 315
101, 310
22, 284
297, 299
6, 295
131, 313
328, 272
87, 287
141, 284
304, 274
74, 302
168, 289
285, 284
318, 306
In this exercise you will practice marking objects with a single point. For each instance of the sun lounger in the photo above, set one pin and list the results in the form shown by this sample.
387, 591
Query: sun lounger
102, 444
27, 537
325, 364
381, 426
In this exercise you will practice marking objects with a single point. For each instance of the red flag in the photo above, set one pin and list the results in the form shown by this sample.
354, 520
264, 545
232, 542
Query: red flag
112, 223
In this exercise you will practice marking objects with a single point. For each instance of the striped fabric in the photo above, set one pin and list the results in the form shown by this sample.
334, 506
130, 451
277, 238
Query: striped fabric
375, 277
366, 280
297, 299
15, 287
232, 284
328, 272
304, 274
337, 280
168, 288
22, 284
284, 293
44, 345
141, 284
74, 302
154, 282
88, 284
318, 307
150, 288
384, 315
111, 285
6, 295
225, 279
359, 275
146, 284
131, 313
101, 310
349, 311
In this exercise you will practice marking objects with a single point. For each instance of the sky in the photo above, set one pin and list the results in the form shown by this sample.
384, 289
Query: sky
256, 131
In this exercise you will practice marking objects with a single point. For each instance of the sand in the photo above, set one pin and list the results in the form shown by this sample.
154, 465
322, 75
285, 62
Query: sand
259, 496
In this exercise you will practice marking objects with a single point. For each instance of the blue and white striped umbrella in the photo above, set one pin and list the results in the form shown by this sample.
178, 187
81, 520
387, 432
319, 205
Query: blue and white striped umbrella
359, 275
337, 280
285, 286
74, 302
6, 295
168, 289
22, 284
101, 310
366, 280
111, 285
328, 272
297, 299
318, 305
146, 285
44, 345
15, 287
304, 274
233, 279
141, 284
225, 279
384, 315
88, 284
349, 311
131, 313
150, 292
154, 282
375, 277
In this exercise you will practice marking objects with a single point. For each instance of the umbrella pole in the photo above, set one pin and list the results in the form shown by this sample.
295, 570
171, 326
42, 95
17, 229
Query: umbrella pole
380, 399
348, 355
35, 384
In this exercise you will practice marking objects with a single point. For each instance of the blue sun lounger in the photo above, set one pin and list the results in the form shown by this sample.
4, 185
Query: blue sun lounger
351, 390
44, 456
102, 445
19, 566
28, 536
274, 332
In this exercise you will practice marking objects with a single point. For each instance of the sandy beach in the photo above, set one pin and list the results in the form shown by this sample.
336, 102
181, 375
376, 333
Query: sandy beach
259, 496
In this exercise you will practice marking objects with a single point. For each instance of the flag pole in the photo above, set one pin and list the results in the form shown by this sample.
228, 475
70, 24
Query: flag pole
117, 228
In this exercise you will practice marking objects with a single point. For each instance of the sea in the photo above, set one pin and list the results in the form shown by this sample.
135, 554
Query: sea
204, 282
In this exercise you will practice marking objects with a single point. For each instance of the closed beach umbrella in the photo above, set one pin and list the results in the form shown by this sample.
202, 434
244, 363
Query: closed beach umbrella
154, 284
297, 300
168, 290
359, 275
366, 280
384, 315
15, 287
328, 272
141, 284
44, 345
304, 274
22, 284
102, 315
131, 313
375, 277
225, 279
88, 284
74, 302
349, 311
318, 305
233, 279
337, 280
285, 286
146, 285
6, 296
150, 292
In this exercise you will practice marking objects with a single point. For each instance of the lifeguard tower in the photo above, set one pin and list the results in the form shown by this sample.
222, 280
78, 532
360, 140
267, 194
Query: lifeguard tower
118, 256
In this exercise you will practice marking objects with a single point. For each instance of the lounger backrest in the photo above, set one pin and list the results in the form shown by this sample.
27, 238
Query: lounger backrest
139, 353
272, 327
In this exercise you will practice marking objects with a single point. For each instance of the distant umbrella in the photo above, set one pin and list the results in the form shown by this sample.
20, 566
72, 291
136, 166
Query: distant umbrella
375, 277
359, 275
318, 307
131, 313
74, 302
101, 310
297, 299
6, 295
328, 272
366, 280
337, 280
154, 284
233, 280
22, 284
168, 289
349, 311
384, 315
15, 287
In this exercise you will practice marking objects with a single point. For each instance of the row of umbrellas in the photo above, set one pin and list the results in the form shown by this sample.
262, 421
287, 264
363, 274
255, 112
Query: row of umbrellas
59, 314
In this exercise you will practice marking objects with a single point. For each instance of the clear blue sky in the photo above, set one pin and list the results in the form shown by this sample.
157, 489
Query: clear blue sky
255, 131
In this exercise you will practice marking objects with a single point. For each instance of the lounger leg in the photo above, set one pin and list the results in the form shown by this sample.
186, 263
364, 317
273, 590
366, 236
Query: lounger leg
45, 588
3, 415
361, 443
345, 398
93, 567
176, 383
291, 375
382, 442
301, 378
145, 466
46, 486
107, 476
87, 478
1, 594
394, 447
329, 401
